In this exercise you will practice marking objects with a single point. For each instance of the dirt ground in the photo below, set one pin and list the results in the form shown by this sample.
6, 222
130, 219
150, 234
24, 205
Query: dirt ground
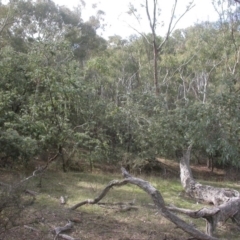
37, 219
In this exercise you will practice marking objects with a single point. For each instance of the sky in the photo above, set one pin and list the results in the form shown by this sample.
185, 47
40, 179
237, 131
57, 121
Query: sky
118, 22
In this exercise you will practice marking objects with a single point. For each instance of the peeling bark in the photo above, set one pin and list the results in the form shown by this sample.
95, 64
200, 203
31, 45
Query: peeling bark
215, 214
204, 193
226, 201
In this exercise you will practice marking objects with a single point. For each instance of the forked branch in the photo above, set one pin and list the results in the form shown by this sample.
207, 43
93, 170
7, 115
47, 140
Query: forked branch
157, 199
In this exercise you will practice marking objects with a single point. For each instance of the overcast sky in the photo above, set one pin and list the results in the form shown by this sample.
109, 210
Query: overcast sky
118, 21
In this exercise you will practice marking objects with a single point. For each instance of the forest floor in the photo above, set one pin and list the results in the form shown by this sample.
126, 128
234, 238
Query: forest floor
27, 217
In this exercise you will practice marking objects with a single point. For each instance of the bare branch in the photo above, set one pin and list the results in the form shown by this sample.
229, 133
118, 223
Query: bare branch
183, 14
102, 194
142, 34
170, 28
133, 13
154, 14
148, 15
157, 199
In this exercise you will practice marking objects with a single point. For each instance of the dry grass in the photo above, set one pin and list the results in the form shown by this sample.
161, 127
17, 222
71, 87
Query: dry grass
98, 222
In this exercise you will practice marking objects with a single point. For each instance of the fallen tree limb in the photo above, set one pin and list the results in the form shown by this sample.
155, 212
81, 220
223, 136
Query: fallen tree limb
225, 200
31, 228
67, 227
214, 215
111, 184
67, 237
157, 199
121, 206
204, 193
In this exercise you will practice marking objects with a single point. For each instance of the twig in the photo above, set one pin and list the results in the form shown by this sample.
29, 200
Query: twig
31, 228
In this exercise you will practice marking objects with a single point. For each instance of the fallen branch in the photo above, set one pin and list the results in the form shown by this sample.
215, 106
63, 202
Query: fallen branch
214, 215
31, 228
125, 208
157, 199
120, 207
117, 203
67, 237
102, 194
67, 227
211, 215
35, 173
196, 190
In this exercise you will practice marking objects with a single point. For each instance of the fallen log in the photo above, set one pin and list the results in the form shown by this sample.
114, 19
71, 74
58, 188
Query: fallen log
215, 215
157, 199
198, 191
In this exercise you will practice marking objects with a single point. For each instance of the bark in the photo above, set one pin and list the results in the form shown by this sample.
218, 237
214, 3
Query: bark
226, 201
204, 193
157, 199
210, 215
214, 215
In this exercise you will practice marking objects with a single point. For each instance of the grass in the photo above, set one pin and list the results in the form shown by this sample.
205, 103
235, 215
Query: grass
98, 222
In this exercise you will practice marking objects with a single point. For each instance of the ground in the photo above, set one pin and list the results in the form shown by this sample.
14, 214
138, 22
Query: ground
35, 218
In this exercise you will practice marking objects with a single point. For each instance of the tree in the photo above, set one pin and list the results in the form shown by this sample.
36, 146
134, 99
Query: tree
157, 44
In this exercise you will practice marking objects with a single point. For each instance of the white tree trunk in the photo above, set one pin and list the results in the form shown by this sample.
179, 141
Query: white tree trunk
205, 193
226, 201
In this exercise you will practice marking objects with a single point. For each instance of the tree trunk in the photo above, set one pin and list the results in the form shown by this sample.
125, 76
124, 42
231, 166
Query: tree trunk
205, 193
62, 157
155, 54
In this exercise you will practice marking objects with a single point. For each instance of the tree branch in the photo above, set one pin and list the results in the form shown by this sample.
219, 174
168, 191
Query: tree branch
170, 28
157, 199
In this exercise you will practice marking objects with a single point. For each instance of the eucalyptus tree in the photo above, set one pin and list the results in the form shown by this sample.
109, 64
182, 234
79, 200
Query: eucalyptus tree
153, 13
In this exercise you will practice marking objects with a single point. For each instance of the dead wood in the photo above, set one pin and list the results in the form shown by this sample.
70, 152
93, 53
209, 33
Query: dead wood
226, 201
204, 193
214, 215
59, 230
157, 199
67, 237
120, 206
68, 226
62, 200
31, 228
102, 194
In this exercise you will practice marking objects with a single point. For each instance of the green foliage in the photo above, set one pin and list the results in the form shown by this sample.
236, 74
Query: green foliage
63, 86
